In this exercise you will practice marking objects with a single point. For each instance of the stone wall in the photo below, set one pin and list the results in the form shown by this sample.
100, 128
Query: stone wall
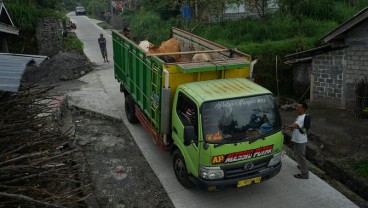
49, 36
327, 79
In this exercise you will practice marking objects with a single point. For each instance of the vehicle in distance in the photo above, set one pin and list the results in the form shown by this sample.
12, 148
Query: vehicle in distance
79, 10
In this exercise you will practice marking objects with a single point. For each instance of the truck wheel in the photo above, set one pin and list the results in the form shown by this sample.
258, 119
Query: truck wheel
130, 109
180, 169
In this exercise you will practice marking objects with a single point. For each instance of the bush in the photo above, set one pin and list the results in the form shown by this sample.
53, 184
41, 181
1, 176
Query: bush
95, 7
71, 43
362, 168
149, 26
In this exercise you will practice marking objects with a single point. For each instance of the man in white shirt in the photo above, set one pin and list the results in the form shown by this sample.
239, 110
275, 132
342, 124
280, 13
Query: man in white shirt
300, 139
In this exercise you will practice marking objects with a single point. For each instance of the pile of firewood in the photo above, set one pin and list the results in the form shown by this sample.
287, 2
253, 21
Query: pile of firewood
36, 162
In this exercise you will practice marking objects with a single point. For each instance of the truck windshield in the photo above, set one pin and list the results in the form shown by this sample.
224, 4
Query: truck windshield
241, 119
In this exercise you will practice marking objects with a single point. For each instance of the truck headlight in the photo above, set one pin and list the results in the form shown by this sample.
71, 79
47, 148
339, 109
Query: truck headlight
276, 159
211, 173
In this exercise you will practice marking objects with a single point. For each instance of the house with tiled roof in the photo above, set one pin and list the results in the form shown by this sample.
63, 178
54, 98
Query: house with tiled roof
331, 72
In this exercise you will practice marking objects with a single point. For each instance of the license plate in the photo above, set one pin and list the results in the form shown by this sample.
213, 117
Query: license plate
248, 181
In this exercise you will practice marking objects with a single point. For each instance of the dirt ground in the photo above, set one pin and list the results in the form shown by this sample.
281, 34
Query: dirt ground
113, 165
113, 170
61, 67
107, 165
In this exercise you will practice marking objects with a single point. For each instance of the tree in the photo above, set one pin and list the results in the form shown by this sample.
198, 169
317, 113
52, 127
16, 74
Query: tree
51, 4
317, 9
165, 9
258, 5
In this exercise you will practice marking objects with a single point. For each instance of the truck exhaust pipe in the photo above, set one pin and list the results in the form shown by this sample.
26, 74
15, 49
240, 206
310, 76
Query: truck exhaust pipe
165, 108
251, 69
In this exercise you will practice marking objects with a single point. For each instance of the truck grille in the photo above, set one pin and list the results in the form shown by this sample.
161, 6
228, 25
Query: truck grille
238, 170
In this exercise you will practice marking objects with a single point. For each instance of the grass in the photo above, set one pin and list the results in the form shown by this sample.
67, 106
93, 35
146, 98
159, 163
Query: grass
362, 168
104, 25
73, 44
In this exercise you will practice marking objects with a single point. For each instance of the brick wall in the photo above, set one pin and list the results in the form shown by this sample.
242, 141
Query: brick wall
49, 36
328, 75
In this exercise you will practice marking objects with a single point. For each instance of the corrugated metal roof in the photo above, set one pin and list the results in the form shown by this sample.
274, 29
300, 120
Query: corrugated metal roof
12, 67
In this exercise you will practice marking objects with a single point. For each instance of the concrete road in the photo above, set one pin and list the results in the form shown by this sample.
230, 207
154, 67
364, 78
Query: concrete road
101, 95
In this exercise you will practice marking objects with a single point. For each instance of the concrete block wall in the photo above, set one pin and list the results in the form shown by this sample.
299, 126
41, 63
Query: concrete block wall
49, 36
328, 76
357, 60
356, 69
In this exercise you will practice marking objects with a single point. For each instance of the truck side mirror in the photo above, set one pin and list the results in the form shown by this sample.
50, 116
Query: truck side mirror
189, 135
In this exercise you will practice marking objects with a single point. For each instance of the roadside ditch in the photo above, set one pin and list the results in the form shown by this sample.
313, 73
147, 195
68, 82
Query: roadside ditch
336, 172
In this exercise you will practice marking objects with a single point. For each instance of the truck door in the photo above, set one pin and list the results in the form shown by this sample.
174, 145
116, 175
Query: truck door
187, 115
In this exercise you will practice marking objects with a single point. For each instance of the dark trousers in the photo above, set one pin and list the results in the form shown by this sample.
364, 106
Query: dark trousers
299, 153
103, 52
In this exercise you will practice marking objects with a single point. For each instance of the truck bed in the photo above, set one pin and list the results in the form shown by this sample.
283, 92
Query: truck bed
210, 65
143, 76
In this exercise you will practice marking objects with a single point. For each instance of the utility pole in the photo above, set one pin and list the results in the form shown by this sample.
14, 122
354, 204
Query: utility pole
196, 9
111, 15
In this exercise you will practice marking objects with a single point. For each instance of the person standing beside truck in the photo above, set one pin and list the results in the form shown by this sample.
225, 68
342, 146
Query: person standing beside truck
126, 32
102, 43
300, 139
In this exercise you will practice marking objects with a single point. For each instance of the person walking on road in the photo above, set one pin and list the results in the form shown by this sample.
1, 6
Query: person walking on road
300, 139
102, 43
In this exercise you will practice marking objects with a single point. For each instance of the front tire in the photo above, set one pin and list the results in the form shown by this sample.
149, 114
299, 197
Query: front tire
130, 109
180, 170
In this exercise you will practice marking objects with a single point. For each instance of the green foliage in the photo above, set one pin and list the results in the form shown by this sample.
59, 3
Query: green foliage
95, 7
149, 25
105, 25
314, 9
337, 10
260, 30
362, 168
50, 4
72, 43
25, 13
164, 9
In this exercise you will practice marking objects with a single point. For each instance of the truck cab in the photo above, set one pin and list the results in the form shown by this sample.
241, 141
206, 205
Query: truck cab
226, 133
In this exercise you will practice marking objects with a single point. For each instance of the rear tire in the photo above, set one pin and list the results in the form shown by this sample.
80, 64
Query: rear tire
130, 109
180, 170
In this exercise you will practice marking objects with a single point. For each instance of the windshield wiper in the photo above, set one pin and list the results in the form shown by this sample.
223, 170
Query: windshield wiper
218, 145
255, 139
232, 139
239, 137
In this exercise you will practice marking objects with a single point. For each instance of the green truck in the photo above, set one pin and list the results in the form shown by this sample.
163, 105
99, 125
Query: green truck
222, 129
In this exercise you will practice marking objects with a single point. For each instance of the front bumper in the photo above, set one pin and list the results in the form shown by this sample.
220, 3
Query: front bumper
233, 183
